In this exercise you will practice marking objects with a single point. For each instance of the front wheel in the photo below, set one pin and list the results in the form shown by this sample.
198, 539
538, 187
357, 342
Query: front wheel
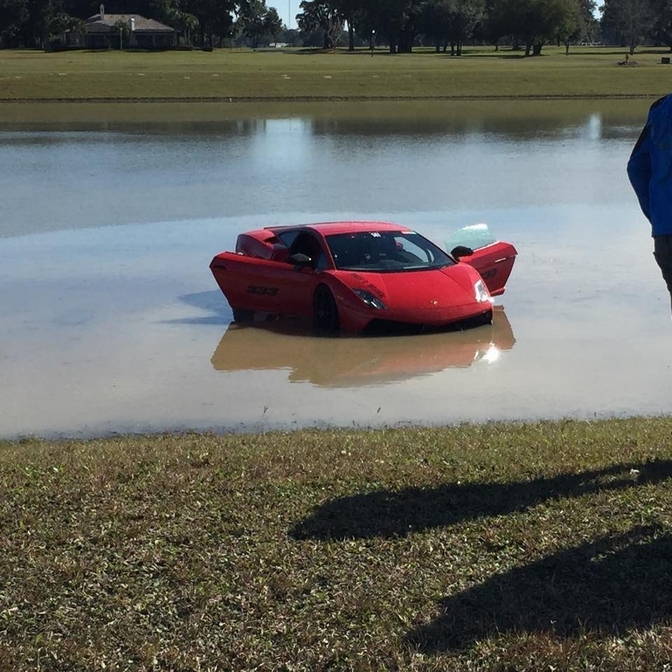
325, 312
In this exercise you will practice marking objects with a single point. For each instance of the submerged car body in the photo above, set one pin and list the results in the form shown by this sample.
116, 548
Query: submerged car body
359, 276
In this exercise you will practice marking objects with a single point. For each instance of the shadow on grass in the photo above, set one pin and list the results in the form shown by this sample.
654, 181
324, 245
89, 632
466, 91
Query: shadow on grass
495, 55
610, 586
386, 513
313, 51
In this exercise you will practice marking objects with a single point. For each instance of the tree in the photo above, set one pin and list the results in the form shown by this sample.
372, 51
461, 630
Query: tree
351, 13
464, 16
450, 22
531, 22
662, 27
257, 21
122, 29
214, 16
577, 23
42, 18
81, 9
273, 23
222, 23
397, 20
13, 14
490, 29
184, 23
629, 21
323, 16
434, 22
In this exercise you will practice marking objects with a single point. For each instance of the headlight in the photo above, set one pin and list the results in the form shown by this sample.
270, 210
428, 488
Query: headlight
370, 300
481, 291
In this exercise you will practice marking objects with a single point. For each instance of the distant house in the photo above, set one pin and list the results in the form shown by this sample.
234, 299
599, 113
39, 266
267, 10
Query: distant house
103, 32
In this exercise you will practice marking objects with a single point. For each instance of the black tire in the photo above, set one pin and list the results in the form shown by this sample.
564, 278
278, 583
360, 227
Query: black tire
325, 312
241, 316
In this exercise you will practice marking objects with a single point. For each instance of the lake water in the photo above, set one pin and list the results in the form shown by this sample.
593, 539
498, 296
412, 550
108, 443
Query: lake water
110, 320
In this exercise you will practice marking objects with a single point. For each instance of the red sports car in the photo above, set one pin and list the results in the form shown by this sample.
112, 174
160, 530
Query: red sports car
361, 276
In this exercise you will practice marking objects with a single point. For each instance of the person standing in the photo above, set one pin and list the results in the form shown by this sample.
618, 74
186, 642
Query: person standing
650, 173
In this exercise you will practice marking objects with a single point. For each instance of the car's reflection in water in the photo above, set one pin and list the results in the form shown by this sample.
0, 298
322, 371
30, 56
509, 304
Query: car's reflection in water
359, 361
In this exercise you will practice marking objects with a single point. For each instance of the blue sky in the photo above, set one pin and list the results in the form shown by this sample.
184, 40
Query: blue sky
286, 9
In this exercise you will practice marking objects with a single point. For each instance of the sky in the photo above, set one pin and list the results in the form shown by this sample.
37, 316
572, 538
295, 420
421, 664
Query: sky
287, 10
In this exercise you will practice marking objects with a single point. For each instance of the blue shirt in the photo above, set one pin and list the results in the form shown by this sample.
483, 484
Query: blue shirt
650, 167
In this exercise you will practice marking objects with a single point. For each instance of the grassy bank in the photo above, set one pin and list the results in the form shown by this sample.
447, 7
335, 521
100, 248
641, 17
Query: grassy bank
304, 75
495, 547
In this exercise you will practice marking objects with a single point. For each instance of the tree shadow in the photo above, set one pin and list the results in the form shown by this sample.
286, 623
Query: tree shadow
312, 51
386, 513
496, 55
609, 586
621, 51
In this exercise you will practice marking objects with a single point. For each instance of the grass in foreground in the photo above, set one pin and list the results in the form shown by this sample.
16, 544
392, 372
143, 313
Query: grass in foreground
496, 547
291, 75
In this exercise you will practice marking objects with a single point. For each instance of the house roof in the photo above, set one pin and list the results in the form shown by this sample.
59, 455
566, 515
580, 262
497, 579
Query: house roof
106, 24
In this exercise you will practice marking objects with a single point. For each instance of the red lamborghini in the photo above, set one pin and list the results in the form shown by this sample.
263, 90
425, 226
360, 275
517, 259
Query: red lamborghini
362, 276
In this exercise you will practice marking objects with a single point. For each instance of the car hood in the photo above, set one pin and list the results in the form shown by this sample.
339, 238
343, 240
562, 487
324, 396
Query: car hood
440, 288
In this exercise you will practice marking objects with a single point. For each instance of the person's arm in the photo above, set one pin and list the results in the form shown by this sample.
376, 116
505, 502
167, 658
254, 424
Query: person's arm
639, 169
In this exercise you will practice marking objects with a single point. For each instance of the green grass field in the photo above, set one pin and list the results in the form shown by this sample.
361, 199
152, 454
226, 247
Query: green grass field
527, 547
305, 75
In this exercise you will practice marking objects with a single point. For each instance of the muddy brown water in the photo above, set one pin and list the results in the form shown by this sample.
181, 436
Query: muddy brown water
111, 322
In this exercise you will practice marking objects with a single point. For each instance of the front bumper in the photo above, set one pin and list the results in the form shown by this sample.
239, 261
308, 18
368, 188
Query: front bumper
474, 314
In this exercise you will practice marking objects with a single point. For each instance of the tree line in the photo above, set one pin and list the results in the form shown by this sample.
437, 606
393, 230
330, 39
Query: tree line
524, 24
449, 24
399, 25
33, 23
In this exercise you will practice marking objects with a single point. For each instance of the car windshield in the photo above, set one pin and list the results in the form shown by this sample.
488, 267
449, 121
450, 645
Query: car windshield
385, 251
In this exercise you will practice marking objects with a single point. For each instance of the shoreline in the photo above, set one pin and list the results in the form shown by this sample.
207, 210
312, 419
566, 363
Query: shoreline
234, 432
330, 99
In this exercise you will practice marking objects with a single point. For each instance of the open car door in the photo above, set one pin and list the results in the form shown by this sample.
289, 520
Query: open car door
264, 285
492, 258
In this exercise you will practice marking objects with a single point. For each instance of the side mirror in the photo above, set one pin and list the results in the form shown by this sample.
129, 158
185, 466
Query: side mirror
461, 251
300, 259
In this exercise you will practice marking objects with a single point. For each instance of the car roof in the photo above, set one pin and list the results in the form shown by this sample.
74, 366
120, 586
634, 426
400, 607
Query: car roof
329, 228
